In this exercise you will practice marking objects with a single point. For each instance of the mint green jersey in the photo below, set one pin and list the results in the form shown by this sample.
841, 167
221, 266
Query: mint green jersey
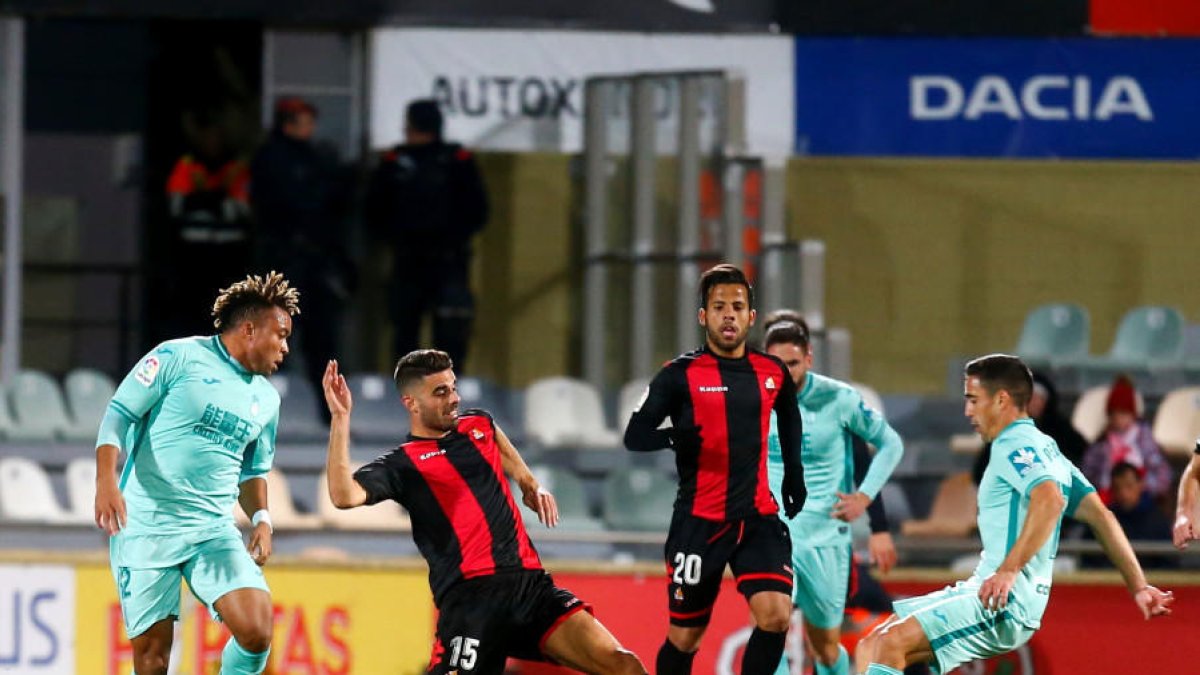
833, 411
1021, 458
201, 425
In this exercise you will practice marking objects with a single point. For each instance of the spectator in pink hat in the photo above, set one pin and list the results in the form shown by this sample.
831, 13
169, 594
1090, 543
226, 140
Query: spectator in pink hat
1127, 439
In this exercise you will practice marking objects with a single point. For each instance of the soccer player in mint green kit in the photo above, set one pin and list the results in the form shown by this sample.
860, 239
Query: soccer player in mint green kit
1026, 489
197, 420
832, 411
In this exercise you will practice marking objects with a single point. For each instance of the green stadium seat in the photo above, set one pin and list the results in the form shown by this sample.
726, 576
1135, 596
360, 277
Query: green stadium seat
38, 408
1149, 339
88, 393
1054, 332
570, 495
638, 499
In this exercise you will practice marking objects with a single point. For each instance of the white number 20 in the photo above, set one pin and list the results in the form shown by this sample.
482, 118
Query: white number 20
462, 652
687, 569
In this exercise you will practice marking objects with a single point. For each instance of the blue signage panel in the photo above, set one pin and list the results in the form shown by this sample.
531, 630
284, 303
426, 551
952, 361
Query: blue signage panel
998, 97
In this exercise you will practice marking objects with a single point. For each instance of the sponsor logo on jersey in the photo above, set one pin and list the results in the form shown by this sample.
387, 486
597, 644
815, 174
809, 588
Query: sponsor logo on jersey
712, 390
1024, 460
432, 453
147, 370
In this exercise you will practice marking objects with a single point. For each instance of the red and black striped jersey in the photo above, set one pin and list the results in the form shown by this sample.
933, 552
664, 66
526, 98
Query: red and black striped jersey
730, 401
464, 518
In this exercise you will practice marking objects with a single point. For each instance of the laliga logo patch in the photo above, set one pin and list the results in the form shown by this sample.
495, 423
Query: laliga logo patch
147, 371
770, 383
1024, 460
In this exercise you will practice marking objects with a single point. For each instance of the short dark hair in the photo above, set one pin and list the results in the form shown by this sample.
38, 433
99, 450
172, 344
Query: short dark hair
415, 365
723, 274
998, 372
1124, 467
787, 331
243, 300
425, 116
289, 109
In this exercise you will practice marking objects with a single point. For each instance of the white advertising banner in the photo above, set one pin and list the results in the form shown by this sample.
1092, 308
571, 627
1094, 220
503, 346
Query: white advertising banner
37, 619
523, 90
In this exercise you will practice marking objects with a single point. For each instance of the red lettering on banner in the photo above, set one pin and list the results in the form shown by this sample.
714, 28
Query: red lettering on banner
120, 651
297, 649
334, 627
211, 637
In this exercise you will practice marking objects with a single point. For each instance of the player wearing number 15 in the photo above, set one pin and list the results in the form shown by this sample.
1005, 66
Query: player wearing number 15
719, 400
1026, 489
197, 420
494, 599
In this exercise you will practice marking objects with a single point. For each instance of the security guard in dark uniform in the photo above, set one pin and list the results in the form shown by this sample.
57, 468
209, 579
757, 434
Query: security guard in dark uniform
426, 200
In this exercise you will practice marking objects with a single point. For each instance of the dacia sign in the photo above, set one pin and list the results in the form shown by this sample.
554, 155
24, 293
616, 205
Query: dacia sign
998, 98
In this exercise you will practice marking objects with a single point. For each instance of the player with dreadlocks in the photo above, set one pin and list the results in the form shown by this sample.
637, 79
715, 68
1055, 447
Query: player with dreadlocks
197, 417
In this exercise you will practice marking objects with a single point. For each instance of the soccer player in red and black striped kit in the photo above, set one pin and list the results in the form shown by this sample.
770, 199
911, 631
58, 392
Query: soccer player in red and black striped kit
719, 399
493, 597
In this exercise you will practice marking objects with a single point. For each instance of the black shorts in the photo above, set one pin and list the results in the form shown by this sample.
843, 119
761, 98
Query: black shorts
485, 620
757, 549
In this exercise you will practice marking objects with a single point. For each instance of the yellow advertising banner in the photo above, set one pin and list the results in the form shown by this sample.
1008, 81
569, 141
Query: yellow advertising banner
327, 622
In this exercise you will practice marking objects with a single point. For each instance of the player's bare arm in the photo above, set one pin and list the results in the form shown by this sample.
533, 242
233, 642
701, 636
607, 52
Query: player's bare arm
533, 494
1186, 527
1152, 601
344, 491
252, 495
1046, 503
110, 505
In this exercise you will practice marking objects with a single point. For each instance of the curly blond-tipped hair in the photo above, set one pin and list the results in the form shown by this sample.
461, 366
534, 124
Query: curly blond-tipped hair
242, 300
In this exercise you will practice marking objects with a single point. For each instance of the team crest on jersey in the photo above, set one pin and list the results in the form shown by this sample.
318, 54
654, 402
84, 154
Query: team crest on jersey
678, 594
770, 383
477, 434
147, 370
1024, 460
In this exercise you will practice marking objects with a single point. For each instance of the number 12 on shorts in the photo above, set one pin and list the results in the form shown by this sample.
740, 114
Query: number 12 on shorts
687, 569
463, 652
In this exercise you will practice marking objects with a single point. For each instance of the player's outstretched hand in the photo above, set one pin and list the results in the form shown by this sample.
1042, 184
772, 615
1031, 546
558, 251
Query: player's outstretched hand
1184, 532
1154, 602
996, 589
540, 500
110, 505
260, 544
337, 392
850, 507
882, 550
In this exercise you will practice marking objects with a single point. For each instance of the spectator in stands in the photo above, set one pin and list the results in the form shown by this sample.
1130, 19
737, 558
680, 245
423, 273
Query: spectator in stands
1043, 408
299, 201
208, 203
426, 200
1128, 439
1135, 509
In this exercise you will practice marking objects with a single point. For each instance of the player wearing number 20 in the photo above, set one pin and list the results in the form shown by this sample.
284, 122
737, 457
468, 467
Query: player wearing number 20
494, 599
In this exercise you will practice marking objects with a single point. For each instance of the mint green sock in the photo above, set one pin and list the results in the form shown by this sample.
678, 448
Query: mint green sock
782, 668
877, 669
237, 661
839, 667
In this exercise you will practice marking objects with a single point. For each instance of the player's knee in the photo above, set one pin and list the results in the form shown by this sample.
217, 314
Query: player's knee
827, 653
621, 661
151, 663
686, 640
891, 642
774, 619
256, 638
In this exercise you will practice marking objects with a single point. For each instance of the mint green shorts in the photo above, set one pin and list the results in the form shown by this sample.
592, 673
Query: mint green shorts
148, 588
960, 630
822, 575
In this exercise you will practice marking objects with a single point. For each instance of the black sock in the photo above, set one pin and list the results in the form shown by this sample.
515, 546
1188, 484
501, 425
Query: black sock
671, 661
763, 652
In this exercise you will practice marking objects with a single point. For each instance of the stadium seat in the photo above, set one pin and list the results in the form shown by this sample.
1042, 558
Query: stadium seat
6, 420
88, 392
39, 413
1149, 338
384, 516
284, 515
1089, 417
477, 392
628, 401
561, 411
953, 511
379, 417
299, 418
638, 499
1177, 422
571, 497
26, 494
81, 490
1054, 332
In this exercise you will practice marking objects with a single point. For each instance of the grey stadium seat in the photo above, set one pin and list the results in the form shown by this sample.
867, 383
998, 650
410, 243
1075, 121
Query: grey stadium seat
88, 393
39, 413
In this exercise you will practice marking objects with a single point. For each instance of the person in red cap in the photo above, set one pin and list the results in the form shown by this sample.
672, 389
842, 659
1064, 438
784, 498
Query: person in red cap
1126, 439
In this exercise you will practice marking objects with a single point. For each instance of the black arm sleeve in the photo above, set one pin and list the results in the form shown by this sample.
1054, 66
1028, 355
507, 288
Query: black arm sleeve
642, 434
876, 514
379, 479
791, 427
